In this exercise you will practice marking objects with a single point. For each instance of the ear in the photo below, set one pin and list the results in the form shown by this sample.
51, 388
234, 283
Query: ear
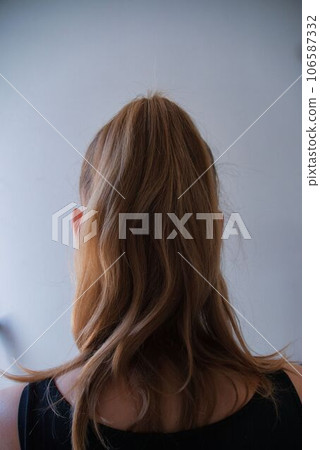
76, 218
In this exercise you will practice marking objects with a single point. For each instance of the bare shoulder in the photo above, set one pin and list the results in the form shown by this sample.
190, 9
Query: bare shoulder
294, 372
66, 382
9, 405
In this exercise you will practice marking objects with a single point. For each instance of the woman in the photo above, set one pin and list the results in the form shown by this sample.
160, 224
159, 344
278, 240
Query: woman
162, 363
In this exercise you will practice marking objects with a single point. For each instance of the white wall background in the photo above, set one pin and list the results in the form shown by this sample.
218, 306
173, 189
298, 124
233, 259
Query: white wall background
78, 62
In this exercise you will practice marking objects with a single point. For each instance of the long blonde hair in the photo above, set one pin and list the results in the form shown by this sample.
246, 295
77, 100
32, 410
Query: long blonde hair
150, 309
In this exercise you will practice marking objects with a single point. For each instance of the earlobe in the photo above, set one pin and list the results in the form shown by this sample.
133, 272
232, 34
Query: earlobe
76, 217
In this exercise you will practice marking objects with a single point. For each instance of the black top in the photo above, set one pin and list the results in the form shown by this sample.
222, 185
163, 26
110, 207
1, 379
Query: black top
254, 426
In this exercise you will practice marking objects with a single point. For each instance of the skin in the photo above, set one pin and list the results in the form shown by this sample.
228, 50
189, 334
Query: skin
116, 406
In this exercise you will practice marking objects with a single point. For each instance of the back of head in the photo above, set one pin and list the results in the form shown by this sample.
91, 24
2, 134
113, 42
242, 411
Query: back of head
152, 309
150, 152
